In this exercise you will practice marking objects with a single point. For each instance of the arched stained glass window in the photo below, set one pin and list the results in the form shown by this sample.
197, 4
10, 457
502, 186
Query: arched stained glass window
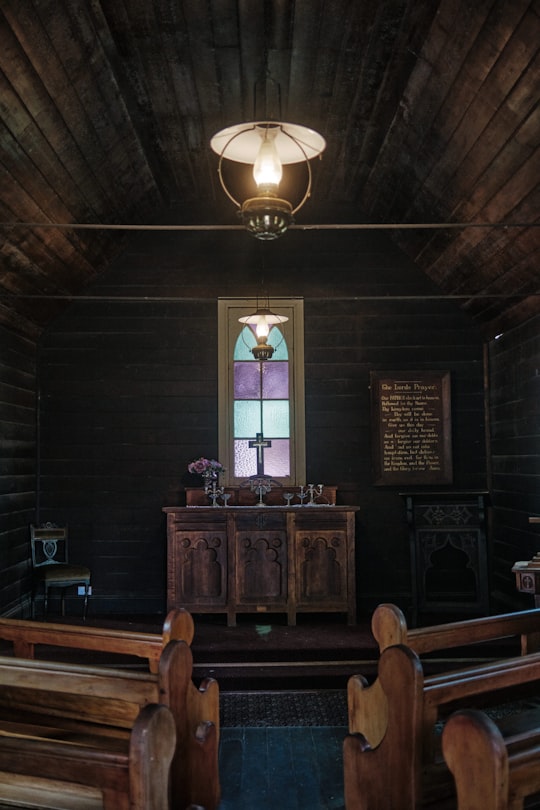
261, 421
261, 402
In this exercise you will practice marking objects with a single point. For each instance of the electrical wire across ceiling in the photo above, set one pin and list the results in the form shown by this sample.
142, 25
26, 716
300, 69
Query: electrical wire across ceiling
360, 226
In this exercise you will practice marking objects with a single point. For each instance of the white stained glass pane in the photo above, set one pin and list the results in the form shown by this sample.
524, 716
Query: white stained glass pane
247, 418
276, 418
245, 459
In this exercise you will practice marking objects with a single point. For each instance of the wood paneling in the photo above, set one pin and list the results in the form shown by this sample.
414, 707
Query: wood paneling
129, 395
514, 383
128, 385
429, 110
17, 467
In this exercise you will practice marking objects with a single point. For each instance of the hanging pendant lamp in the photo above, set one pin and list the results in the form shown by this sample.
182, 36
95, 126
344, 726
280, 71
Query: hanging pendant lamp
267, 146
261, 321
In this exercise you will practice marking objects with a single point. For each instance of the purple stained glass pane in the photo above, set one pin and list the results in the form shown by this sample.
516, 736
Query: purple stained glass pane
277, 459
275, 380
247, 381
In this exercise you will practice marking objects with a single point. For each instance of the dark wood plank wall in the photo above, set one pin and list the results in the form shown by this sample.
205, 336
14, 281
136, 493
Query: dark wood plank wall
17, 467
514, 382
128, 382
128, 393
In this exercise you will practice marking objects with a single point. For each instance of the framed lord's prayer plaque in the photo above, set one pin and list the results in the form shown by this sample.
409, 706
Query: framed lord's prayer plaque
412, 430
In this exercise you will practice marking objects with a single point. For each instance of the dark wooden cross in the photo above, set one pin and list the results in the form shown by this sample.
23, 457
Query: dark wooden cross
260, 443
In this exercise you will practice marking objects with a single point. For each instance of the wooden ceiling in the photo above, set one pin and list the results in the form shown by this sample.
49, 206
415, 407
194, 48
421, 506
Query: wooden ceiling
429, 109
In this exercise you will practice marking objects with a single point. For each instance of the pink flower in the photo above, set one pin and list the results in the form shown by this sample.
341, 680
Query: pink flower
206, 465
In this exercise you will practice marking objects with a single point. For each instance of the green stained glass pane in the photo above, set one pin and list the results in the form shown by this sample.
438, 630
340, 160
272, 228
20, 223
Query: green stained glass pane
275, 418
246, 340
241, 350
247, 418
276, 339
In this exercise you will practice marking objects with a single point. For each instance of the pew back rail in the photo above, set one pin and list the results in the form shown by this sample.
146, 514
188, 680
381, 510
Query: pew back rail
489, 770
25, 635
389, 627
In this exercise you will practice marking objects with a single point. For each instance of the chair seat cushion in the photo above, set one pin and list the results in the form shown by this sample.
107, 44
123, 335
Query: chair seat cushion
59, 573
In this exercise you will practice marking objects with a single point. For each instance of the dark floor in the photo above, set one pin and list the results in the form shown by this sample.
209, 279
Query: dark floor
282, 749
292, 768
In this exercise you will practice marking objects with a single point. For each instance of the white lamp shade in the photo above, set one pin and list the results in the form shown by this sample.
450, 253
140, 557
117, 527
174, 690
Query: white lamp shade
293, 143
267, 314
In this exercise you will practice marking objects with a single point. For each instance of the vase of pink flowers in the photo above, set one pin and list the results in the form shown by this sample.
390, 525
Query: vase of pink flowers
209, 469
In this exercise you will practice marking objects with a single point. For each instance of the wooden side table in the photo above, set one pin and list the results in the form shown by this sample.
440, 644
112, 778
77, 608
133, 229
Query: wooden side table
528, 572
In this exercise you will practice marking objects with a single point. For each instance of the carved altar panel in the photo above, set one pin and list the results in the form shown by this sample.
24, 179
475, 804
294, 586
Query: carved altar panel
262, 559
261, 568
321, 564
198, 572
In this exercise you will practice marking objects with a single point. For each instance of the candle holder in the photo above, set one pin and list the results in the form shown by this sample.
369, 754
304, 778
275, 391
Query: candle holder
214, 492
261, 485
314, 492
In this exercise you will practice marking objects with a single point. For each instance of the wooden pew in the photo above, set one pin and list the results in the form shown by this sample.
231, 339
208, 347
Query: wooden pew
392, 755
199, 760
60, 697
25, 635
389, 627
97, 733
489, 770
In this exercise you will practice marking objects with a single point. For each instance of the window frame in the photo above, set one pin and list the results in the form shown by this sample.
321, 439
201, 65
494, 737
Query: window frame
229, 311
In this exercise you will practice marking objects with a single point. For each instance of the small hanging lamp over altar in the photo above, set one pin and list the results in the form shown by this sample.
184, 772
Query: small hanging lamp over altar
261, 321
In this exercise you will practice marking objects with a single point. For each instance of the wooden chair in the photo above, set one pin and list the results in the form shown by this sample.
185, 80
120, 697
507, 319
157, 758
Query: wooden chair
51, 567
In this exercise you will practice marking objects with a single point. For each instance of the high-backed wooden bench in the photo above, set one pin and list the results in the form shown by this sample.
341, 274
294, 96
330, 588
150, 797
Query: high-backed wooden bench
25, 635
389, 627
198, 764
490, 771
392, 754
86, 736
60, 697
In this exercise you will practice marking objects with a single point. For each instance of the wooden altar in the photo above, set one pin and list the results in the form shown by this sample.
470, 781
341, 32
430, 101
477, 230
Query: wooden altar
269, 559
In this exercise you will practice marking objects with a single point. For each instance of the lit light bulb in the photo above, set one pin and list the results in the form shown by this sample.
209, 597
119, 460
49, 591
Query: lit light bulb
267, 169
262, 328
